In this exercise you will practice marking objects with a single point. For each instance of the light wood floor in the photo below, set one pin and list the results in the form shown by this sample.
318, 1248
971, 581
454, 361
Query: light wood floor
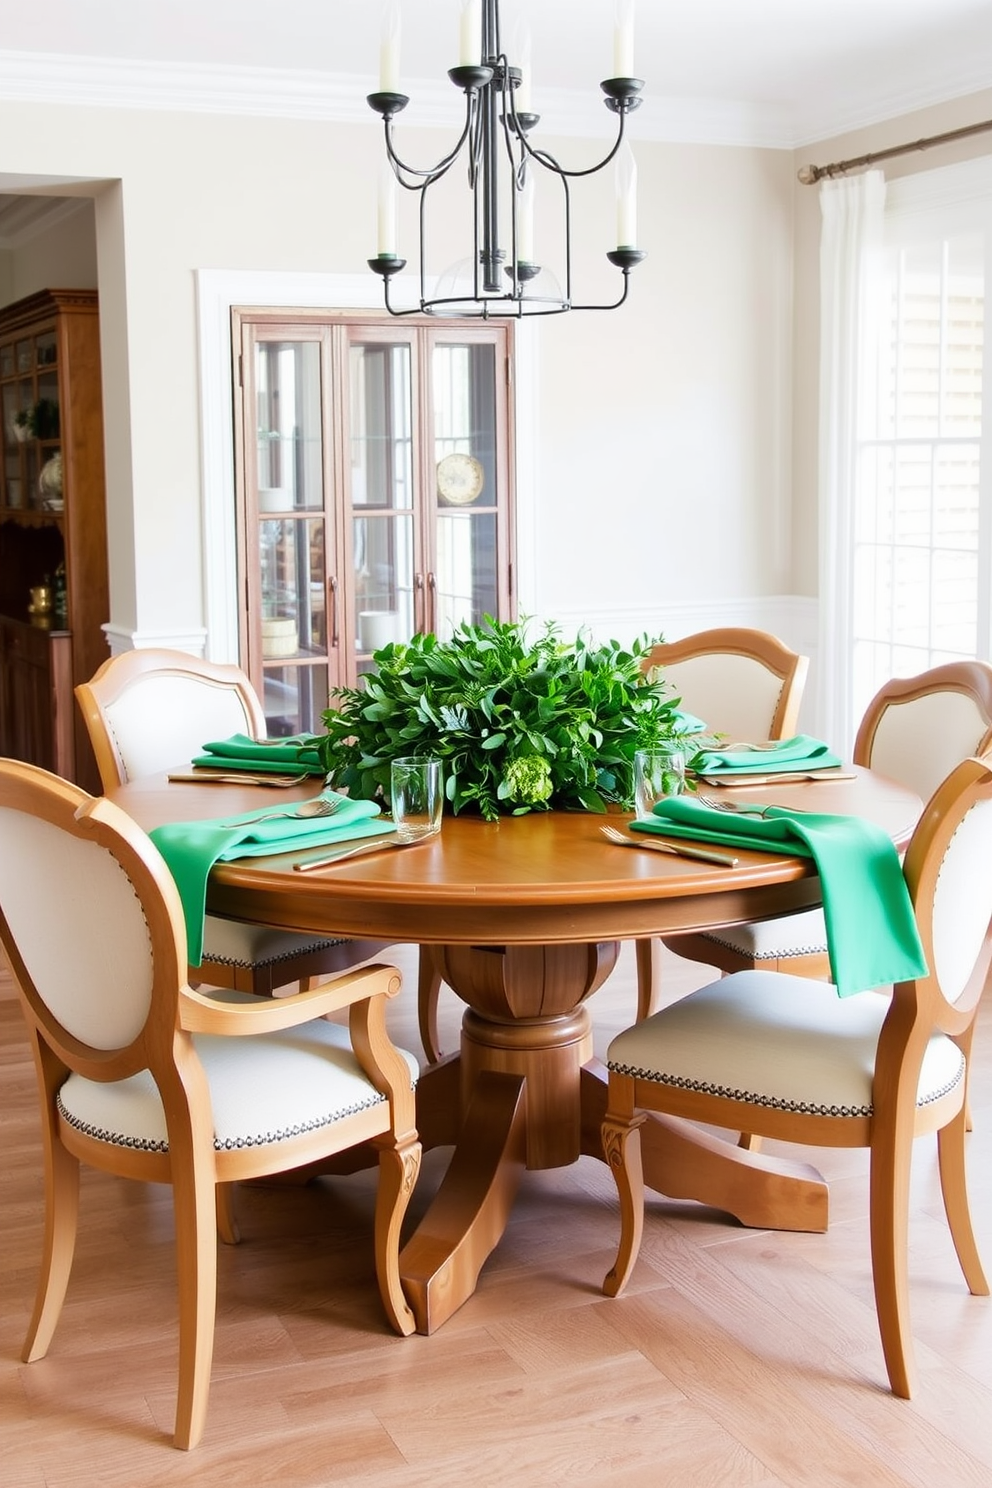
736, 1357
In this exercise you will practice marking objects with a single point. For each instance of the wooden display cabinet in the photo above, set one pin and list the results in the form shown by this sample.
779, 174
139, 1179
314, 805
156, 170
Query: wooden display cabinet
53, 527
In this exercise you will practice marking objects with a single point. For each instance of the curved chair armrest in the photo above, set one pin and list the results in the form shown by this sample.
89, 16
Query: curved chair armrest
200, 1013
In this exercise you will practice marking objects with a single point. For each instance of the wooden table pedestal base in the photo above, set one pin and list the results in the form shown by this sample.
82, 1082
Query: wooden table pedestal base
525, 1091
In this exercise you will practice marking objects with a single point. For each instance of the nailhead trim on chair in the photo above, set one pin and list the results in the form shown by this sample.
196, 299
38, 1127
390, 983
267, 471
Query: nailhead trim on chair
770, 1102
741, 944
308, 946
263, 1139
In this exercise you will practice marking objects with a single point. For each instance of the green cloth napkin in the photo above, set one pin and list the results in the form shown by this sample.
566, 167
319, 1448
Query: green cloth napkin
799, 753
872, 937
687, 723
295, 754
192, 848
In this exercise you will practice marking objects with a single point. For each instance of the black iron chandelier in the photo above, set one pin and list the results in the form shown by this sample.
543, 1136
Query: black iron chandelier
503, 164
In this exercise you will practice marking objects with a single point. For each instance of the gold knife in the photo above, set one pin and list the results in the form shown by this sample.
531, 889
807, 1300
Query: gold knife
218, 777
376, 845
703, 854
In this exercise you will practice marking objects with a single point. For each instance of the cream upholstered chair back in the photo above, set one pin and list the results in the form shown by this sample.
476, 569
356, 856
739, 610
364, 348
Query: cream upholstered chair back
743, 683
152, 709
949, 871
75, 875
916, 729
103, 1001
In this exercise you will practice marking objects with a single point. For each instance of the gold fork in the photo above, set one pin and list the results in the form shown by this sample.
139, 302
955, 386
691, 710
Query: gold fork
318, 806
703, 854
740, 808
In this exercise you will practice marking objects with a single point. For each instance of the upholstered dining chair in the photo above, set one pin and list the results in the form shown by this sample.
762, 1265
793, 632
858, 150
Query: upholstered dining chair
147, 710
745, 684
787, 1058
915, 730
143, 1077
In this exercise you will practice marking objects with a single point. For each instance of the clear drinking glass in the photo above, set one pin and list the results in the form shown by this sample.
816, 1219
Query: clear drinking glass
415, 793
658, 772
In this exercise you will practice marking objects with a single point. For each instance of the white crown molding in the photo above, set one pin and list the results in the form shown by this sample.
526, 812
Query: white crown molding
309, 94
290, 93
846, 117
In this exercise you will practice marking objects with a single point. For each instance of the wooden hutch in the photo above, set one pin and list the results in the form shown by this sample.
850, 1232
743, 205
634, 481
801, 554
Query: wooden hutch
53, 527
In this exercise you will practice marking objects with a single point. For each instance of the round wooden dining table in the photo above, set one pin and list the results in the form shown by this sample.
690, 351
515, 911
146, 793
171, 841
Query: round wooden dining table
524, 917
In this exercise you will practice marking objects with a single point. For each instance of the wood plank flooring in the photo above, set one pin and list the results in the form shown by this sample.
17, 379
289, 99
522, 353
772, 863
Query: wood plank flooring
736, 1357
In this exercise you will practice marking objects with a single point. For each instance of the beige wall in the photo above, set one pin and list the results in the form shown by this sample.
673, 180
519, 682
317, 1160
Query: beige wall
675, 439
62, 258
659, 428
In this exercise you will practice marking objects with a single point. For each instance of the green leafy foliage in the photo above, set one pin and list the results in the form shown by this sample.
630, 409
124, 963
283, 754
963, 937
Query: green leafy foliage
519, 725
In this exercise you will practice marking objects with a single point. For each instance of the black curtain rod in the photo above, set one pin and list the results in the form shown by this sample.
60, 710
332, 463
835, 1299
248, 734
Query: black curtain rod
810, 174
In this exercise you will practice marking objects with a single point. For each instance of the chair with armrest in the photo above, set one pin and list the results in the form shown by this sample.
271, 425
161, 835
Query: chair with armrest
143, 1077
787, 1058
915, 730
147, 710
744, 684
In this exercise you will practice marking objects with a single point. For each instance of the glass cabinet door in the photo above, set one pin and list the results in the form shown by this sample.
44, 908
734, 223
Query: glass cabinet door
464, 581
373, 465
287, 537
387, 586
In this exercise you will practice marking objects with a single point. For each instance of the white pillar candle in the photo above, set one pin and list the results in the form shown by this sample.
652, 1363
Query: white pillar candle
525, 220
623, 40
387, 212
389, 51
626, 198
471, 33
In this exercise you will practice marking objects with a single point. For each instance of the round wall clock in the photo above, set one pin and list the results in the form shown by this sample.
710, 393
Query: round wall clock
460, 479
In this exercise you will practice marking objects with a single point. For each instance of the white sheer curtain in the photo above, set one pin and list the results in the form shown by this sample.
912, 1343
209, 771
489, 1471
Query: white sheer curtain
853, 219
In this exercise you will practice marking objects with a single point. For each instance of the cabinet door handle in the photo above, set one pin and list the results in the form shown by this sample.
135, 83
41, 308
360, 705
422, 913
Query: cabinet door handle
419, 604
431, 604
332, 597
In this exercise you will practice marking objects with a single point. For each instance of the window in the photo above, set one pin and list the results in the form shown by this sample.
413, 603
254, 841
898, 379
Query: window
922, 536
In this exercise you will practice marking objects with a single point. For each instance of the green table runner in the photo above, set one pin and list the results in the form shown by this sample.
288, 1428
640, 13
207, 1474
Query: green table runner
192, 848
872, 937
799, 753
295, 754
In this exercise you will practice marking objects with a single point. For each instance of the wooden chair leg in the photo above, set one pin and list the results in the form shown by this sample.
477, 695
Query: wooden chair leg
195, 1203
648, 956
622, 1147
61, 1216
428, 994
398, 1169
227, 1223
953, 1187
889, 1217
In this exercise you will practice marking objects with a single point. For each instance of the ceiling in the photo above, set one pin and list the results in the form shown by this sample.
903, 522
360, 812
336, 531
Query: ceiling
777, 73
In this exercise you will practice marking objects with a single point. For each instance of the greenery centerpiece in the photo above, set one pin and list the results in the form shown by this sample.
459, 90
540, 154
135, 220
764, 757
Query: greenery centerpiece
519, 725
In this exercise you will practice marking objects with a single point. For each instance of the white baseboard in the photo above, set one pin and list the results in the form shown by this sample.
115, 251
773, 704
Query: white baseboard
119, 639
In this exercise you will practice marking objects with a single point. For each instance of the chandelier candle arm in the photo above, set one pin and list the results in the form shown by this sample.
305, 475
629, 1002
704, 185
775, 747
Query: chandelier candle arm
501, 275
